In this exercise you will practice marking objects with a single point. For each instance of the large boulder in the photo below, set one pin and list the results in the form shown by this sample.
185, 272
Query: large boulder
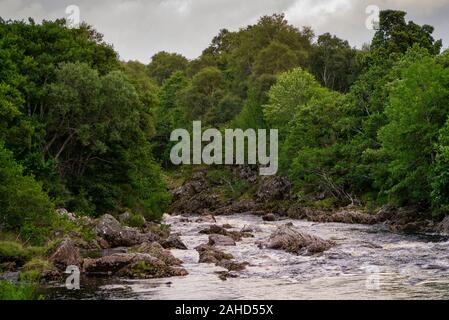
220, 240
65, 254
131, 265
209, 254
156, 250
173, 242
116, 235
288, 238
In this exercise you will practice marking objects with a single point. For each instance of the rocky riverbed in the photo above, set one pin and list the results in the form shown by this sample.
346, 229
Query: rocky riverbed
242, 256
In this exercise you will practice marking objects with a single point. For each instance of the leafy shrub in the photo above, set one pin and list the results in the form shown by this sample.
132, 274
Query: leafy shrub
23, 291
26, 208
135, 221
12, 251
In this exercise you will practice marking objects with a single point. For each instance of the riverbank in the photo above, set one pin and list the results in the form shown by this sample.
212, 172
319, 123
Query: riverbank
240, 190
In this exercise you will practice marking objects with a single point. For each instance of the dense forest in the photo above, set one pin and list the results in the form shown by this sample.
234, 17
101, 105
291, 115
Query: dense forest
82, 130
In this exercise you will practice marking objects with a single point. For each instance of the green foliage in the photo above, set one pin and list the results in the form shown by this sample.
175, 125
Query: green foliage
12, 251
164, 64
440, 185
74, 127
334, 63
82, 130
34, 269
22, 291
25, 208
395, 35
417, 109
135, 221
292, 89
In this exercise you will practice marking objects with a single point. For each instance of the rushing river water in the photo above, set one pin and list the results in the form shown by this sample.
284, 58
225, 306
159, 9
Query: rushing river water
368, 262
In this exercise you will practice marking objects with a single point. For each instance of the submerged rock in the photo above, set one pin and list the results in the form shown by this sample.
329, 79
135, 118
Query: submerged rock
206, 218
233, 265
288, 238
210, 254
269, 217
224, 275
235, 235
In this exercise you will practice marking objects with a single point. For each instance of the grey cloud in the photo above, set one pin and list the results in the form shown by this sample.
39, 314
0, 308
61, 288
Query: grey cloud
139, 28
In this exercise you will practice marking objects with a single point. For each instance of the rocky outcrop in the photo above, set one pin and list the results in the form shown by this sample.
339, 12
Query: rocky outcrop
65, 254
194, 197
274, 188
132, 265
443, 226
289, 239
350, 215
198, 203
116, 235
246, 206
406, 219
156, 250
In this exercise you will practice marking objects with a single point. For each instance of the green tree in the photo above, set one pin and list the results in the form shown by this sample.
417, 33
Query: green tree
164, 64
334, 62
395, 35
292, 89
417, 109
25, 207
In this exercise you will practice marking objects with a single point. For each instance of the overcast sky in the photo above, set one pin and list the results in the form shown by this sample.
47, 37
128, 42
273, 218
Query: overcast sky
139, 28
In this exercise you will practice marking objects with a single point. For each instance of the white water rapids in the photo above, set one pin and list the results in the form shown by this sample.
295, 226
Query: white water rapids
368, 262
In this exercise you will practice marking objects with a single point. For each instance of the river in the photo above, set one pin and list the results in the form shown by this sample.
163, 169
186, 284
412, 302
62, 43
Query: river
368, 262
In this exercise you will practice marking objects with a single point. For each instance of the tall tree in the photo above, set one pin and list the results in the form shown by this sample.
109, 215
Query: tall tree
164, 64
